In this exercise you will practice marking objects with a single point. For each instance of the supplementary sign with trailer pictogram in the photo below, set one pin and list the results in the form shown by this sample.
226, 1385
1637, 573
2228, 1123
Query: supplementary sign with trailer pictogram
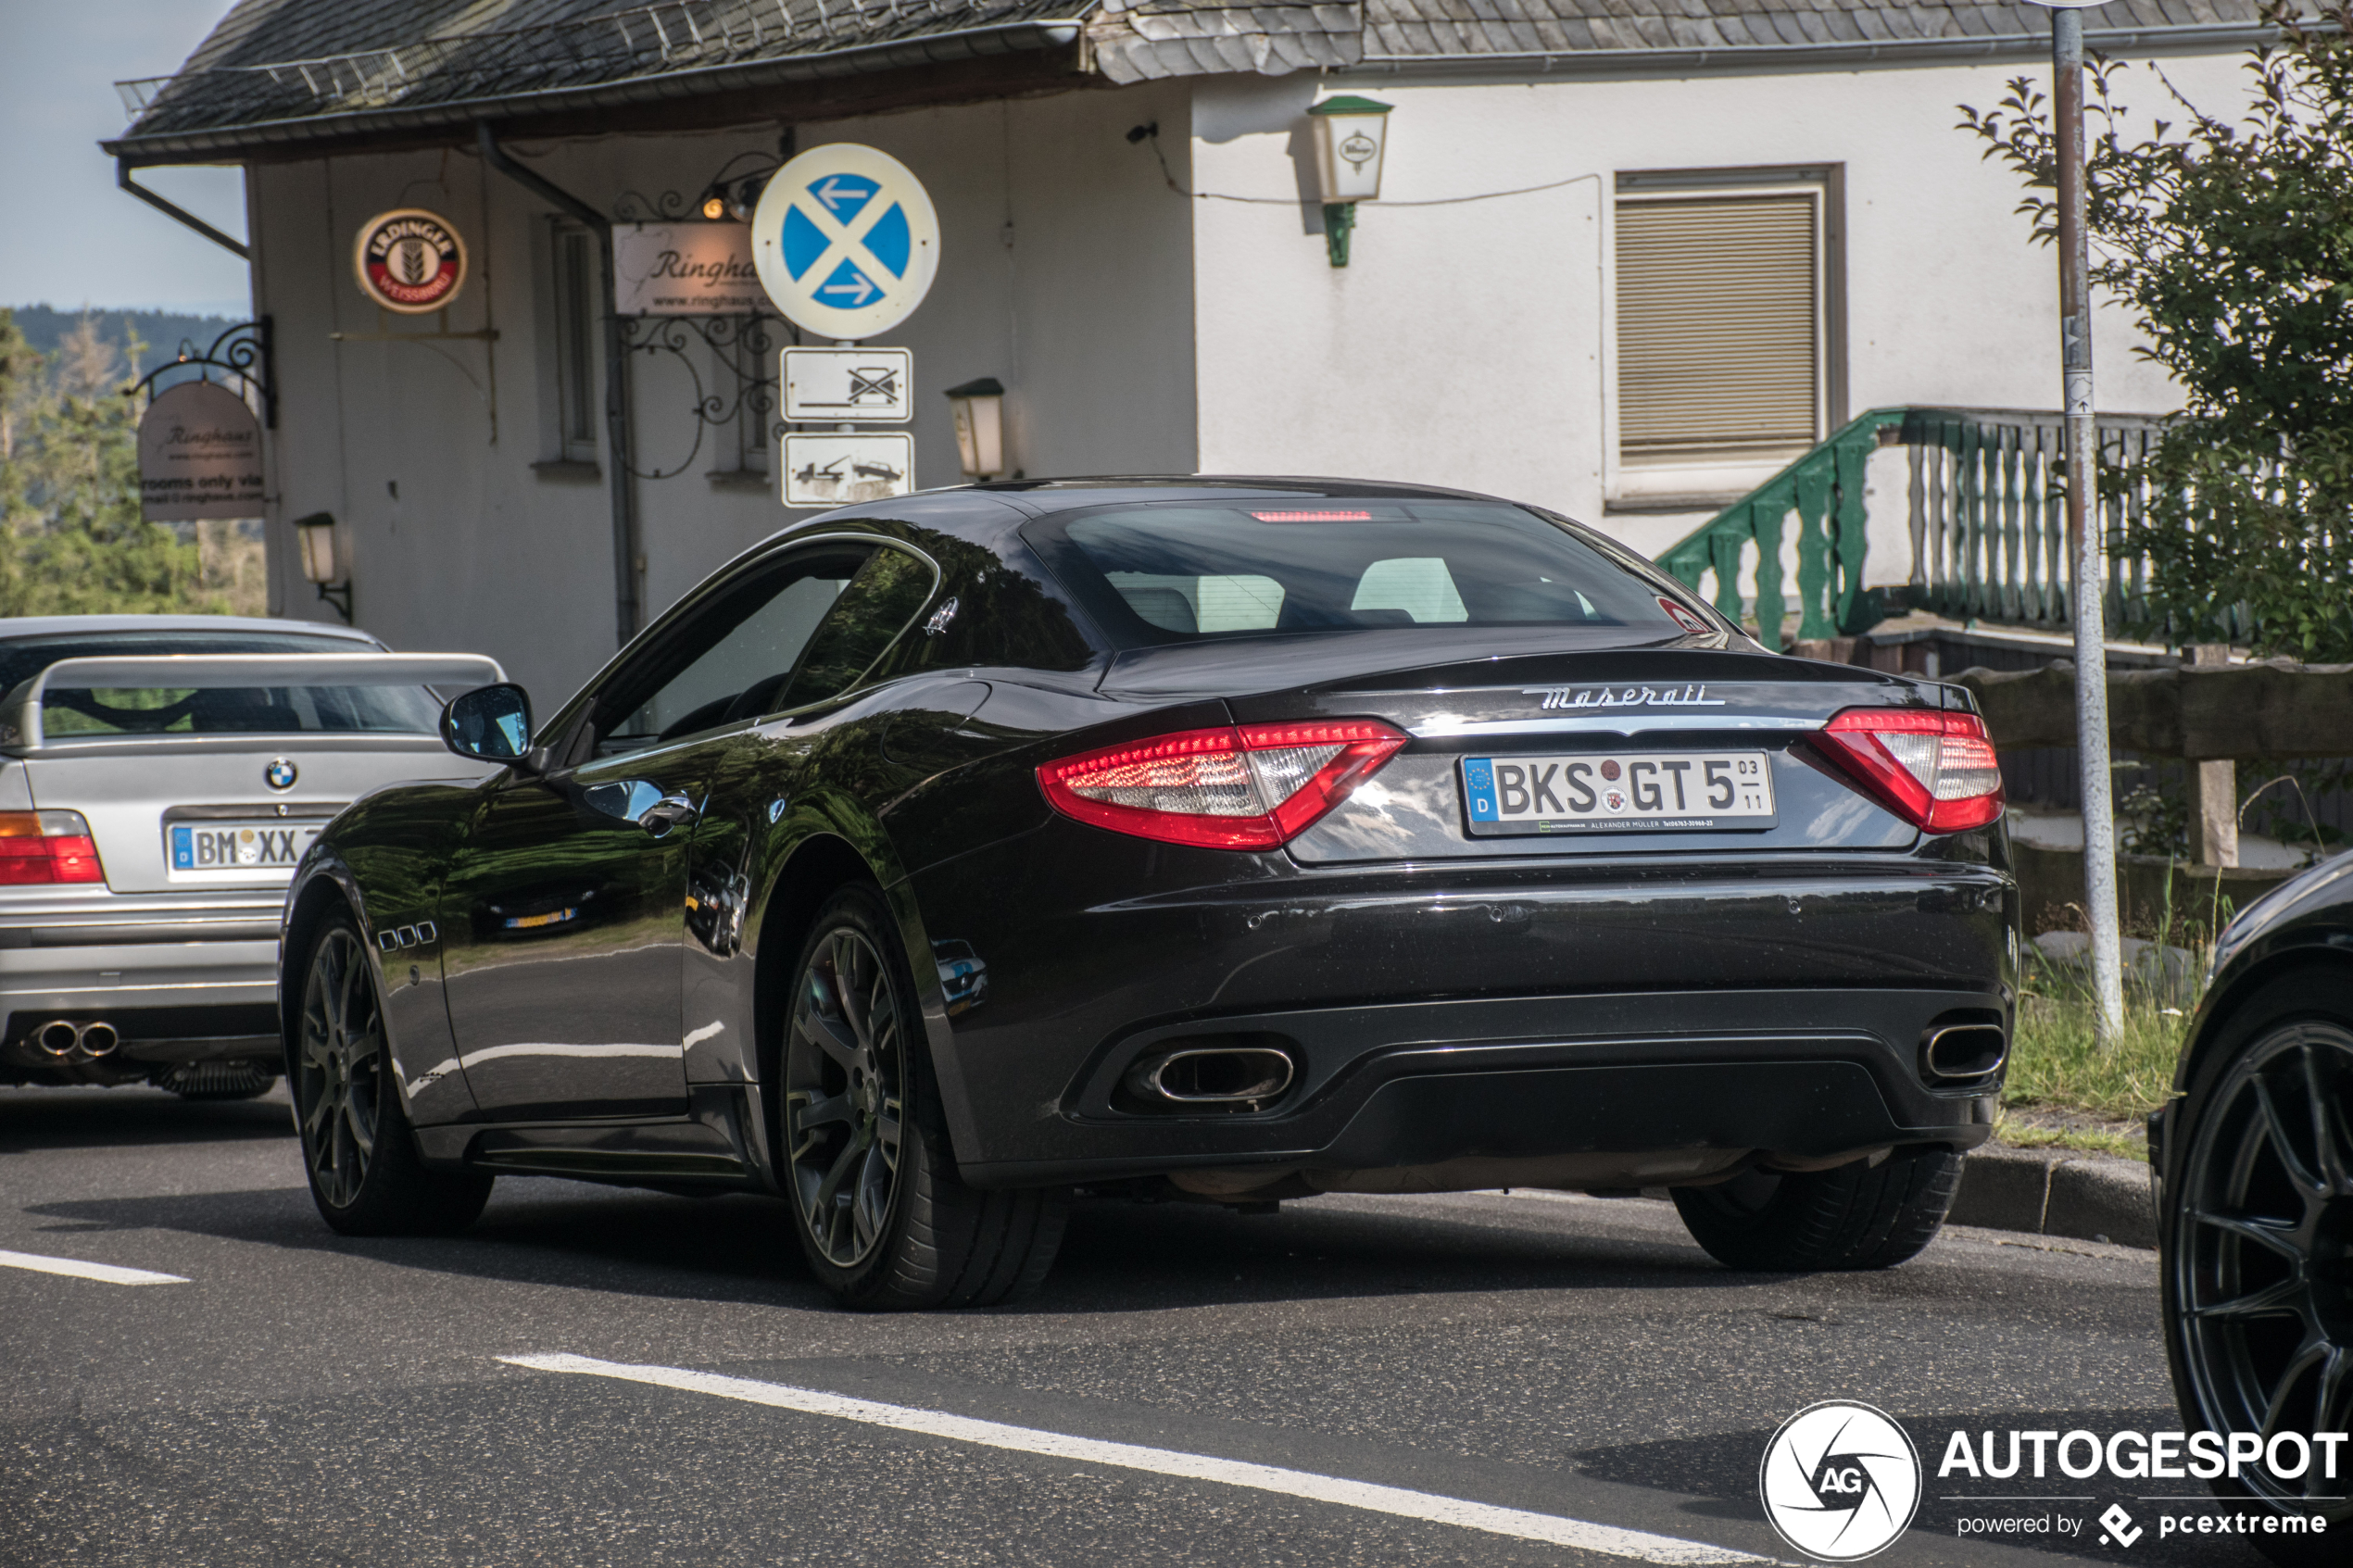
846, 241
861, 385
839, 468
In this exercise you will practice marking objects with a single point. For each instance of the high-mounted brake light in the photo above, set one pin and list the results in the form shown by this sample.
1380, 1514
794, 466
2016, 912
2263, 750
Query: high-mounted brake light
42, 846
1936, 771
1313, 517
1255, 786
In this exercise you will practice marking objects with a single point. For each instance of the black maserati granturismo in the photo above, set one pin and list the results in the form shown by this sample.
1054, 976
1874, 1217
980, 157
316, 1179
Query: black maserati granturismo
943, 859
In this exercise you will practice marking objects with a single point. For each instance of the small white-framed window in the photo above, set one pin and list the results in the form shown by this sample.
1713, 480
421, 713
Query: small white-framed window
1726, 350
578, 298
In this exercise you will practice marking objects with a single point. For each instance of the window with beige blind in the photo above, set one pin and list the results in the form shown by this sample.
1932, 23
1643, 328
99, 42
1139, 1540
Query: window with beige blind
1721, 364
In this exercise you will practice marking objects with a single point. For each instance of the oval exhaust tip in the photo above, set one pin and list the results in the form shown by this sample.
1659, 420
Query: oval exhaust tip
57, 1037
99, 1039
1222, 1075
1965, 1050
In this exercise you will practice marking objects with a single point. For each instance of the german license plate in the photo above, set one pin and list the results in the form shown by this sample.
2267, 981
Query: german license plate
201, 848
1619, 792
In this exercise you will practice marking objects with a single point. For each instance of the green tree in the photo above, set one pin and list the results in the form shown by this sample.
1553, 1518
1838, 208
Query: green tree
72, 537
2231, 240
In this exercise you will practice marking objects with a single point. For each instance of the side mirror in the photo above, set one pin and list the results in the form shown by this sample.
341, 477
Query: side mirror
489, 724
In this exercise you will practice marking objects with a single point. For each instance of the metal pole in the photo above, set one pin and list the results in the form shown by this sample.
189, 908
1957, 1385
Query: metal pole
2085, 545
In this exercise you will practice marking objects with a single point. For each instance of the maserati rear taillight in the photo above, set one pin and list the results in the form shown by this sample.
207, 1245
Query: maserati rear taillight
44, 846
1936, 771
1252, 786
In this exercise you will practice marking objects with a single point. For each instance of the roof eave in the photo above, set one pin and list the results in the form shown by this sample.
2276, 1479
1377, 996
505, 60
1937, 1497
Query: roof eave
284, 135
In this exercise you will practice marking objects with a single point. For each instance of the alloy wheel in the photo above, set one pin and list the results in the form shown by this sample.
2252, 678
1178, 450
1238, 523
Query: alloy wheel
2263, 1259
844, 1096
339, 1078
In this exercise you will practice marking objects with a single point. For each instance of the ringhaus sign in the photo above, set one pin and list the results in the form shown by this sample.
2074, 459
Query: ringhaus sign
199, 456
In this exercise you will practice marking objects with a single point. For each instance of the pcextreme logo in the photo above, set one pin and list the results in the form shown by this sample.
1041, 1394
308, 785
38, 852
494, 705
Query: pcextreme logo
1840, 1481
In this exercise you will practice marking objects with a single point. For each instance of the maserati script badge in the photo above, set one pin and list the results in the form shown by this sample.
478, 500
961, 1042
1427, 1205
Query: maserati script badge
1625, 696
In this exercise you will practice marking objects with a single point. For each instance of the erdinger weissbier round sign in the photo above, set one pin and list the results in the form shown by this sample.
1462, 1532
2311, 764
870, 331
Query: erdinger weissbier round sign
199, 456
409, 260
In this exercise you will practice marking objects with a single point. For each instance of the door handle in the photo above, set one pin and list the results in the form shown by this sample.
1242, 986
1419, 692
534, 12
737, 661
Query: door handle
670, 811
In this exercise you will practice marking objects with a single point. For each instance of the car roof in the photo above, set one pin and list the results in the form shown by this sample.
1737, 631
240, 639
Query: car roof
982, 513
67, 626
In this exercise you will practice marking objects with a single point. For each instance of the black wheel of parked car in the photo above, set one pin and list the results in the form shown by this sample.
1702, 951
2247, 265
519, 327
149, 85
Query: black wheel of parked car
365, 1173
1858, 1216
875, 1200
2259, 1247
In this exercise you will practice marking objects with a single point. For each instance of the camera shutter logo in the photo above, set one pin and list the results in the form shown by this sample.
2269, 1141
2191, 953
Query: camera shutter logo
409, 260
1840, 1481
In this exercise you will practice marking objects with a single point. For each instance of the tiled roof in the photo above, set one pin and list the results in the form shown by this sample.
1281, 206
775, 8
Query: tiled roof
287, 62
289, 70
1134, 39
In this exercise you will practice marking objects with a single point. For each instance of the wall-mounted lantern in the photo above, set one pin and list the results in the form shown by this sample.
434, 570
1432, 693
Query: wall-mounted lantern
320, 566
1351, 134
980, 409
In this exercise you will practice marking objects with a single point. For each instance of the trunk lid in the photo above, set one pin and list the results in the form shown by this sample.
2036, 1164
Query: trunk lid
215, 771
1671, 708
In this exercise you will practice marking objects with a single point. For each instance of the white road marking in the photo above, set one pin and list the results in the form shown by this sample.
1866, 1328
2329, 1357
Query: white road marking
80, 1270
1512, 1522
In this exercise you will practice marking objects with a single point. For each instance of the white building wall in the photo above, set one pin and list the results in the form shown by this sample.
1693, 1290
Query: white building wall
1061, 274
1465, 344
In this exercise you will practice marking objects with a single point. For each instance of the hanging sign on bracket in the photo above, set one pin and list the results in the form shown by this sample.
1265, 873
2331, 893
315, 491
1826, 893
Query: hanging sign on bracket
846, 241
854, 385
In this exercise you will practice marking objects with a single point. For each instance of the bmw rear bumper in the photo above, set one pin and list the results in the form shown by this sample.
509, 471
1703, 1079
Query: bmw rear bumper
179, 981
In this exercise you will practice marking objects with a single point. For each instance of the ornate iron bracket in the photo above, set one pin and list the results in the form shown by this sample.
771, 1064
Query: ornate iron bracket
744, 348
248, 357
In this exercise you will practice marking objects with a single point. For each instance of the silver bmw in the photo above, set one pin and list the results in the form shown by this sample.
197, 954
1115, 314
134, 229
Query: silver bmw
161, 776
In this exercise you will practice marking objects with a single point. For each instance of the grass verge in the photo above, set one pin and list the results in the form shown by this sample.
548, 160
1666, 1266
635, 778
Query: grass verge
2059, 1073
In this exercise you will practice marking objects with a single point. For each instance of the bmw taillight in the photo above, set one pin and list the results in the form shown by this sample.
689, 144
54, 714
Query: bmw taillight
1250, 786
43, 847
1936, 771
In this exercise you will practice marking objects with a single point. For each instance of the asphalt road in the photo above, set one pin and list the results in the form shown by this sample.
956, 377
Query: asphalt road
300, 1398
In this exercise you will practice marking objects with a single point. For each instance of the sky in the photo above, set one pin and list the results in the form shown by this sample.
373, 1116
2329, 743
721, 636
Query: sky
72, 238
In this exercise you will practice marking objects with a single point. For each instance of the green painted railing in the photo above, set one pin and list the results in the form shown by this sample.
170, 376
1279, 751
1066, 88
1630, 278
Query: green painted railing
1980, 500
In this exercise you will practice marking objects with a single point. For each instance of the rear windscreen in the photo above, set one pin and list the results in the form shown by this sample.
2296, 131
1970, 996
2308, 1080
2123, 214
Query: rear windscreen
1177, 571
69, 712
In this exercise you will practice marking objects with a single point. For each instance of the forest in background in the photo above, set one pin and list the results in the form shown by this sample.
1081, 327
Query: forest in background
72, 539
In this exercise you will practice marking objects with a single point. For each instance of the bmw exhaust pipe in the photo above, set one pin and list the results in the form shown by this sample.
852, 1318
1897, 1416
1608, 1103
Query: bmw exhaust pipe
98, 1040
1229, 1078
58, 1039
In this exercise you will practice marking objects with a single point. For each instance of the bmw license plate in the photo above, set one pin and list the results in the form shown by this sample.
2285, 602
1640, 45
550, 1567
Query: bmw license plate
1621, 792
200, 849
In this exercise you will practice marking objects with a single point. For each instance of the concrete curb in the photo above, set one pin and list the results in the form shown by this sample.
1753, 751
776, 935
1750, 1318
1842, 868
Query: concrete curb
2057, 1192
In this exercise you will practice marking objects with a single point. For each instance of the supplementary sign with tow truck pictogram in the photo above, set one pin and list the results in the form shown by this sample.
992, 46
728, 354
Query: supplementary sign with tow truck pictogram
837, 469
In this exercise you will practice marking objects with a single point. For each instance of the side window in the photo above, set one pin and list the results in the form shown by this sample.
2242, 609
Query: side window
734, 656
877, 605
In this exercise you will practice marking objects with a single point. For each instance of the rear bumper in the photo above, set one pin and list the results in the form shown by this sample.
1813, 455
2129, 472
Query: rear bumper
180, 981
1760, 1002
1648, 1080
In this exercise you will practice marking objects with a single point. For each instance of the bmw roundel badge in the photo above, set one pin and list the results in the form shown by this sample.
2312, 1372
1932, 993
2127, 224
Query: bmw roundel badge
279, 773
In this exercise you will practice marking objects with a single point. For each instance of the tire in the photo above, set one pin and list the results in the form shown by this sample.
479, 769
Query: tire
2255, 1231
358, 1148
1858, 1216
862, 1152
